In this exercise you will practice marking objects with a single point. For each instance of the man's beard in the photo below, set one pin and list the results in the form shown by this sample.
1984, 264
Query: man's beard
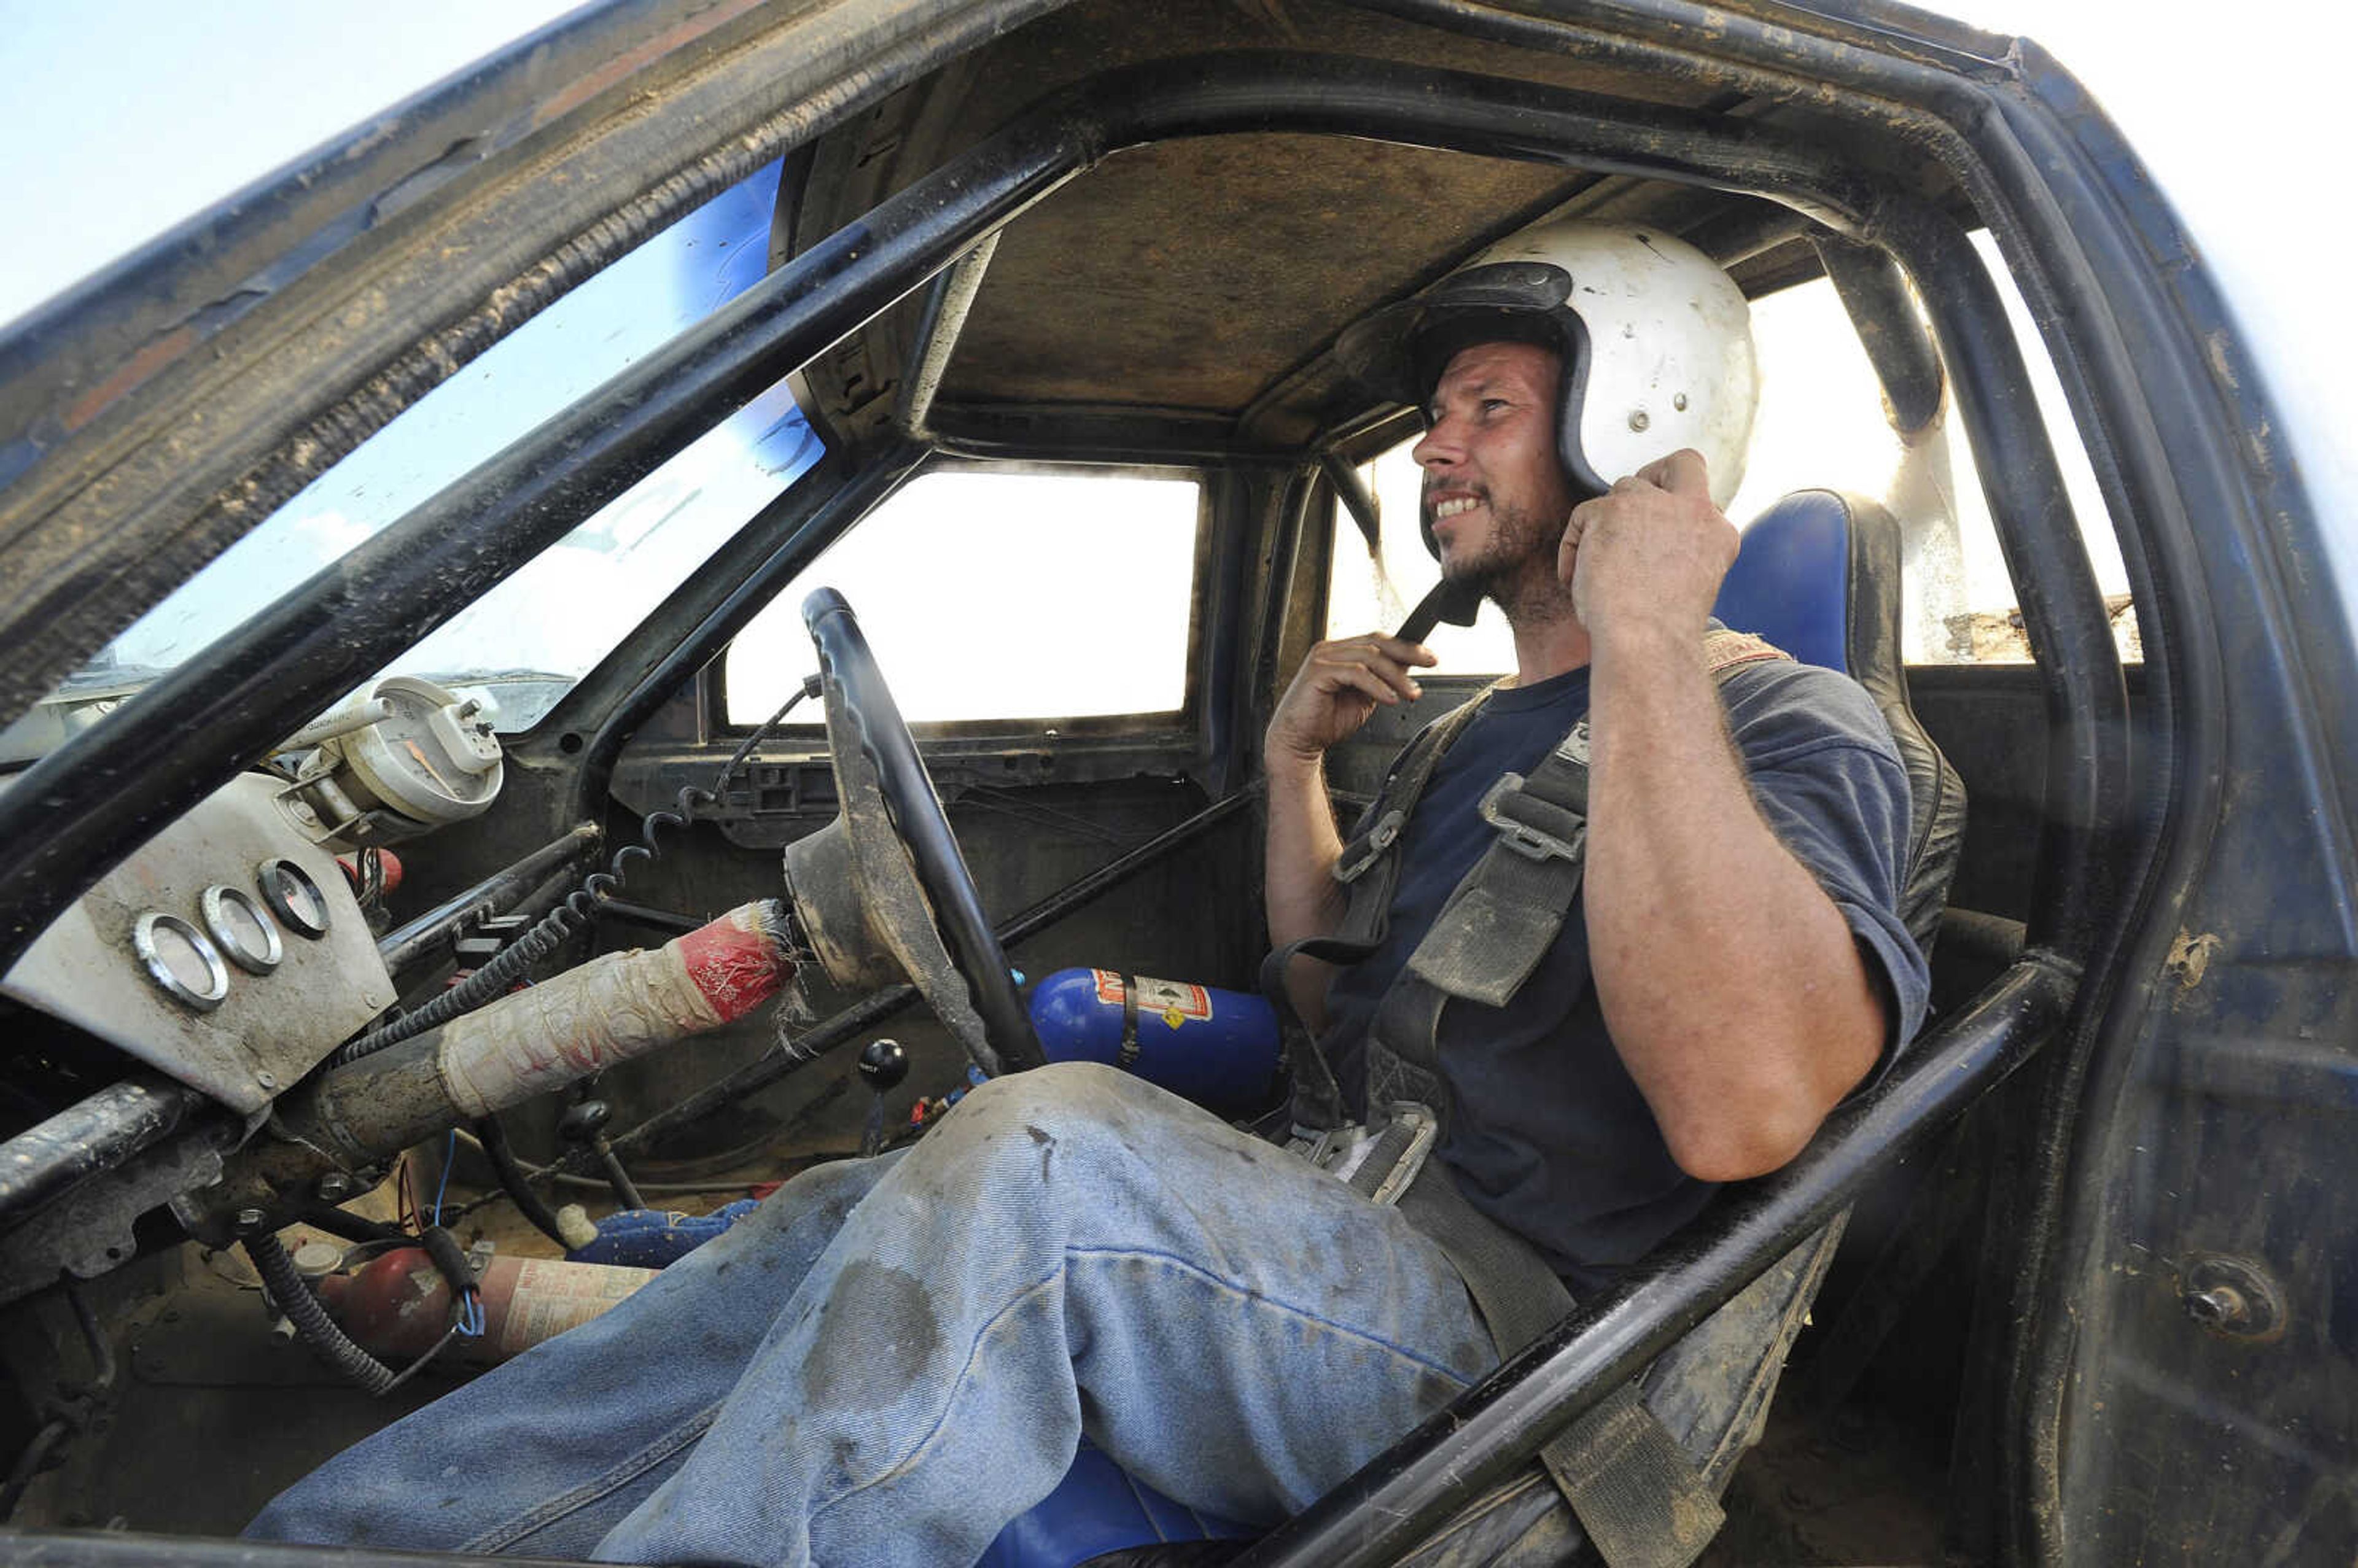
1516, 566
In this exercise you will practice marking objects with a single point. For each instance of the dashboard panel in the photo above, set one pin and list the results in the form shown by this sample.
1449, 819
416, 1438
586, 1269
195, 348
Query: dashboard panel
229, 953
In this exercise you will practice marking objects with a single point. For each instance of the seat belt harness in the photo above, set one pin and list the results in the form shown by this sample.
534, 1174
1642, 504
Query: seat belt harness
1637, 1492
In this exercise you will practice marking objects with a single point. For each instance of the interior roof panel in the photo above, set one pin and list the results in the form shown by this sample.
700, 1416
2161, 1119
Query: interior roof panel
1171, 276
1205, 276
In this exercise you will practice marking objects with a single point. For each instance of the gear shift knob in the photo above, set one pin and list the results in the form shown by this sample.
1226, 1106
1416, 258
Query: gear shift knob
883, 1064
583, 1120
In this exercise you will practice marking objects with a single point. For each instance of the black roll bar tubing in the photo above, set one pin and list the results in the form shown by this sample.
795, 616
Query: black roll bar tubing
948, 304
73, 815
1291, 528
124, 1549
1874, 293
50, 1158
1228, 492
1402, 1495
1354, 497
2086, 817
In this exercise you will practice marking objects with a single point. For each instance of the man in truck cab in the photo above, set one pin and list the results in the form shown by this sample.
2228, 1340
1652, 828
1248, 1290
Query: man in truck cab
1622, 929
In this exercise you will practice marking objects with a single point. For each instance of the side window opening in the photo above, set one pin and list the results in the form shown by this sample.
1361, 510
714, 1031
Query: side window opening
1028, 596
1821, 423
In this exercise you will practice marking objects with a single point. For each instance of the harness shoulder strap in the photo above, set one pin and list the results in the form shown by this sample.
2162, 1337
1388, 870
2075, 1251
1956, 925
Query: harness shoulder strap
1369, 867
1369, 863
1503, 917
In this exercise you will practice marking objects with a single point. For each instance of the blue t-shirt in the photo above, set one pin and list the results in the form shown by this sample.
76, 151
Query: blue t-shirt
1550, 1137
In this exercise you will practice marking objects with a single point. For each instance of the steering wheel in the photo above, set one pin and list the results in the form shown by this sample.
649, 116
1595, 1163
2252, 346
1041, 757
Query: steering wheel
913, 893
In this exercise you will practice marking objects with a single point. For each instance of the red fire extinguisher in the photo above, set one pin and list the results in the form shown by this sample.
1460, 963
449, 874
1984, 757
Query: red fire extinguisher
398, 1306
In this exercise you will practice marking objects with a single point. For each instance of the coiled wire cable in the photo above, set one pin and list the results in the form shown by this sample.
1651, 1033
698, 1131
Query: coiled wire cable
551, 932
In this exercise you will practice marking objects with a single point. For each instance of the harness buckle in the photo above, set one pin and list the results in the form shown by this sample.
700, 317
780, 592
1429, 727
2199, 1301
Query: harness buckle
1351, 868
1380, 1158
1524, 840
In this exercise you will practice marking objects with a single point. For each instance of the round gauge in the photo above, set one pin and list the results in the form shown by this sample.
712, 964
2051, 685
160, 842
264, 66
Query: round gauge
243, 929
180, 959
293, 897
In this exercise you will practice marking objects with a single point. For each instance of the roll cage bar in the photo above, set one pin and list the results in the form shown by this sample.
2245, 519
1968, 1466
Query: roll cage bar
74, 814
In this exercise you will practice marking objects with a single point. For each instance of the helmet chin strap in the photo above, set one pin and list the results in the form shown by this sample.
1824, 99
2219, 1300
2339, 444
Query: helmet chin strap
1457, 602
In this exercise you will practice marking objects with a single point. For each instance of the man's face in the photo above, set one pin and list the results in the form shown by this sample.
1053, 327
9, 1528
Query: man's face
1495, 496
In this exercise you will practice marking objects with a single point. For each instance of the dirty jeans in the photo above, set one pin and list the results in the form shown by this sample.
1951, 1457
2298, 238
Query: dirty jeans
889, 1359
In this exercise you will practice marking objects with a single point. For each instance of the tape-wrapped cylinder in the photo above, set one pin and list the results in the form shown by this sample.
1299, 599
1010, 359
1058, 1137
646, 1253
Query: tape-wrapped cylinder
612, 1009
608, 1010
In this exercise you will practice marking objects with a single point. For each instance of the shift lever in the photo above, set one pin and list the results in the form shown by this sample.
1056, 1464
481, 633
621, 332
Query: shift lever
882, 1063
584, 1121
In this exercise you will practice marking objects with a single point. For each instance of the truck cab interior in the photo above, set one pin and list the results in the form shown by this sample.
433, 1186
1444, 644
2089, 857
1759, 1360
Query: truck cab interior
562, 390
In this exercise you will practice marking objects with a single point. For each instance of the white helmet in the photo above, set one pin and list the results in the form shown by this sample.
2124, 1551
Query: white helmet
1656, 340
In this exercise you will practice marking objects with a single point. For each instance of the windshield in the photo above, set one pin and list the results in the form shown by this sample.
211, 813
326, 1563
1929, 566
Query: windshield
524, 644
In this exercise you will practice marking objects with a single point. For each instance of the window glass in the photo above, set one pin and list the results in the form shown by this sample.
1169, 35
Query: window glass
1027, 596
1820, 424
521, 647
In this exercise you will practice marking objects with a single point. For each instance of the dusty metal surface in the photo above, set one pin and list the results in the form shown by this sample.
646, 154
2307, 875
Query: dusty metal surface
270, 1029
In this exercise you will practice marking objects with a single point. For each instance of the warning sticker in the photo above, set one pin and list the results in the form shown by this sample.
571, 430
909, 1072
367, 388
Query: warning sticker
1111, 989
1174, 1000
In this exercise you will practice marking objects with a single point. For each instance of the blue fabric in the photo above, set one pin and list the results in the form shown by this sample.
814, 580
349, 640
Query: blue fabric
1552, 1137
889, 1360
653, 1237
1095, 1509
1790, 583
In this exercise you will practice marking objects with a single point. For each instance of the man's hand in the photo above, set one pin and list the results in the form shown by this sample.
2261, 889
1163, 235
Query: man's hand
1334, 692
1650, 554
1332, 695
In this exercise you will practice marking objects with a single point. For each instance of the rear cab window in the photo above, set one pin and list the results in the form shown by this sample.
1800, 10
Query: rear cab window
1005, 598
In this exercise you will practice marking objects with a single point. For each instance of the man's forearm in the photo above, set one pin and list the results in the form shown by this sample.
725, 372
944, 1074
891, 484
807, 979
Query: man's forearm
1303, 899
1729, 981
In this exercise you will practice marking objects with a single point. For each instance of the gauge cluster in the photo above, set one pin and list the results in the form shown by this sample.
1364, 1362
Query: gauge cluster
229, 953
191, 962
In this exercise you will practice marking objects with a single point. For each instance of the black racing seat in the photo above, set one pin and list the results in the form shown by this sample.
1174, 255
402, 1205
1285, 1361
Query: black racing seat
1818, 578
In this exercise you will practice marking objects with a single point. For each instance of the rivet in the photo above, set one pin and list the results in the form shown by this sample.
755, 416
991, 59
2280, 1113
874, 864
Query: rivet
1637, 419
1679, 401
